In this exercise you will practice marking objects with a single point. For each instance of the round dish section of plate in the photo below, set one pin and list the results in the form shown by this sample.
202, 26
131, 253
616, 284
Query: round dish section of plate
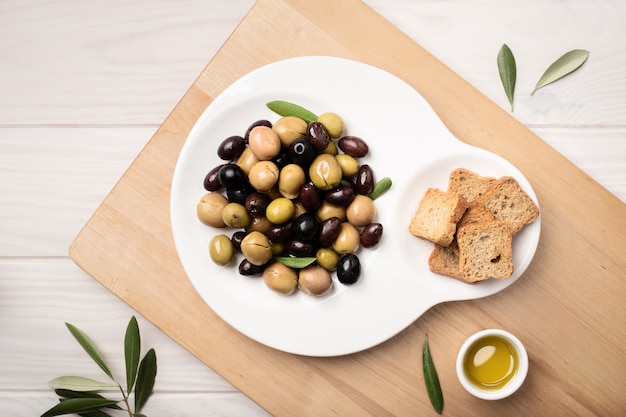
407, 143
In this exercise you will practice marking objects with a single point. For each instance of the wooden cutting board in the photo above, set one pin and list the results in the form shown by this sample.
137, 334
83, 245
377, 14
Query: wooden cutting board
568, 308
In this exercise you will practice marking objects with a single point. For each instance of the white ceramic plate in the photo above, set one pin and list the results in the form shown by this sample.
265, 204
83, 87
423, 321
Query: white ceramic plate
408, 143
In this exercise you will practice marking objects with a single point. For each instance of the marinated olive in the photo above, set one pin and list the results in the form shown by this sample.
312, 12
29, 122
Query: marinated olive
327, 258
289, 128
231, 148
328, 210
349, 165
263, 175
248, 269
211, 180
298, 247
239, 193
236, 238
371, 234
280, 210
221, 249
235, 215
280, 233
310, 196
291, 180
256, 248
325, 172
341, 195
348, 269
302, 152
247, 160
316, 133
353, 146
230, 175
280, 278
209, 209
264, 143
306, 226
314, 280
364, 181
361, 211
348, 239
329, 229
333, 123
265, 123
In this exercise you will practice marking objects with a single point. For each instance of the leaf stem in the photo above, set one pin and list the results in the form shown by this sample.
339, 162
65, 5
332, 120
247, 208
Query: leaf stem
125, 396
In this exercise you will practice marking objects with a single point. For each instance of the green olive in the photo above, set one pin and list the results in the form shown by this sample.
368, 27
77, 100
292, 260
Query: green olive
264, 143
327, 210
247, 160
263, 175
221, 249
256, 247
331, 149
349, 165
291, 180
348, 240
235, 215
280, 278
209, 209
314, 280
333, 123
325, 172
280, 210
327, 258
289, 128
361, 211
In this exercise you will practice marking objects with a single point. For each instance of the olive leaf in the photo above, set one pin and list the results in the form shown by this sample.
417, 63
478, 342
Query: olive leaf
566, 64
285, 108
145, 379
293, 262
508, 72
79, 383
89, 347
132, 348
380, 188
65, 394
432, 380
79, 405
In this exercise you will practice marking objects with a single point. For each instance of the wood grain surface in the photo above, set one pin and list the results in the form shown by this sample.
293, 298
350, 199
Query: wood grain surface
578, 288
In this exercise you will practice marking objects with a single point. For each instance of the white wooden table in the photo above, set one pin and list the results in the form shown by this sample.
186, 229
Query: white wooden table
85, 84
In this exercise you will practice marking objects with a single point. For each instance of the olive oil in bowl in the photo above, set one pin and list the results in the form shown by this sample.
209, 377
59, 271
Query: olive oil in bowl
492, 364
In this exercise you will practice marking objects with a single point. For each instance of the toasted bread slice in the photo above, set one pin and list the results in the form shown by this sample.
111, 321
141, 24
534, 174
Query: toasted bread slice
444, 260
485, 250
475, 213
506, 200
468, 184
437, 216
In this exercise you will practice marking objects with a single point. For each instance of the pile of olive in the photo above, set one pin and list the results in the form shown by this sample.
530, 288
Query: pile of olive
300, 199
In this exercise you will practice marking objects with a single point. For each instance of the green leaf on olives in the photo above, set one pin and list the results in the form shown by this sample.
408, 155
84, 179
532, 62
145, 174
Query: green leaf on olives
285, 108
293, 262
380, 188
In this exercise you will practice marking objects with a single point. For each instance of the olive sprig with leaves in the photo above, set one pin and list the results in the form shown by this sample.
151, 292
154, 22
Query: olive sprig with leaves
79, 395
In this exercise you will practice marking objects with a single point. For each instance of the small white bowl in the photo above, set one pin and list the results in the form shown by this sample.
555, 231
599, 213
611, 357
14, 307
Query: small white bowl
512, 385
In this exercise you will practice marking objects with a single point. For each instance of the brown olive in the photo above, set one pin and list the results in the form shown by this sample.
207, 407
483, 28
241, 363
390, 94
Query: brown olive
209, 209
247, 160
264, 143
280, 278
364, 181
299, 247
291, 180
361, 211
328, 210
280, 233
314, 280
342, 195
329, 229
231, 148
263, 175
353, 146
371, 234
263, 122
258, 223
235, 215
317, 134
348, 240
211, 180
289, 128
236, 238
256, 203
325, 172
256, 248
221, 249
310, 196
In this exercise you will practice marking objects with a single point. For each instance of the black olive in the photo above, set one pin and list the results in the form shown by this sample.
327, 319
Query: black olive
298, 247
238, 193
306, 226
247, 268
302, 152
212, 181
230, 175
348, 269
236, 238
231, 148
